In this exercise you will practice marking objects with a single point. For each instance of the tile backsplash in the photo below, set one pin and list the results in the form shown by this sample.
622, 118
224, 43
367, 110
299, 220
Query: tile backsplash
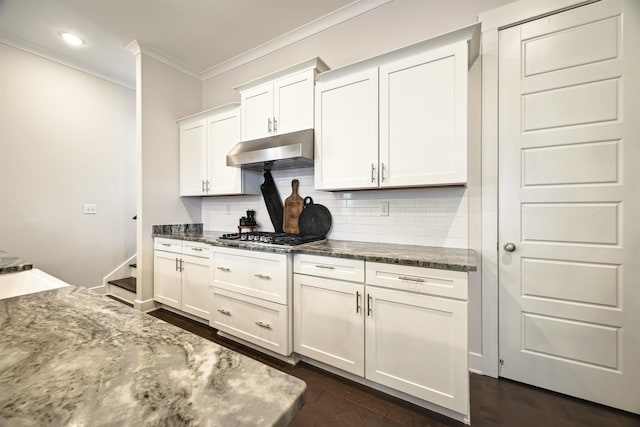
436, 216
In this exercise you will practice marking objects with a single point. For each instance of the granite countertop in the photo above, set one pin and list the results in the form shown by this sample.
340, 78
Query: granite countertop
11, 264
419, 256
73, 357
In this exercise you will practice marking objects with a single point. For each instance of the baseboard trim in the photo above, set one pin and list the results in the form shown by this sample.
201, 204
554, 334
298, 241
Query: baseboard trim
476, 361
146, 305
101, 289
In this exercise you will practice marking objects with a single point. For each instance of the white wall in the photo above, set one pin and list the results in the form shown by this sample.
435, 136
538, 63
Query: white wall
66, 138
163, 95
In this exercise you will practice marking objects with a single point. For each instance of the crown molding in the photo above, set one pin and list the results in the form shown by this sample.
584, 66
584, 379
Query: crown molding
25, 46
137, 48
323, 23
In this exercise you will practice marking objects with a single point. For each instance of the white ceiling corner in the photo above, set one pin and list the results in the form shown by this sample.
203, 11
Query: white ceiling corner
325, 22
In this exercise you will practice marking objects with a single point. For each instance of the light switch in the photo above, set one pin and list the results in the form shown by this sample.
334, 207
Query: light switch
384, 209
90, 209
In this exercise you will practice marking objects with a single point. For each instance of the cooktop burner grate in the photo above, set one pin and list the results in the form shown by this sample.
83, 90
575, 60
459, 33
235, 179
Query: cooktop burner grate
265, 237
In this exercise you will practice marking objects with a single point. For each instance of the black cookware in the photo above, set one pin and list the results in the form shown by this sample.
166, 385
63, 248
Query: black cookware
314, 219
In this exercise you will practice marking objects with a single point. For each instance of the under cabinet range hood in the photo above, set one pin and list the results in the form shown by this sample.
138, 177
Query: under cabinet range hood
287, 151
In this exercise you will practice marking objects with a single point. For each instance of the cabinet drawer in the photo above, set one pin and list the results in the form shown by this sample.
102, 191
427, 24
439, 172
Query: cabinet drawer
201, 250
446, 283
260, 322
168, 245
256, 274
330, 267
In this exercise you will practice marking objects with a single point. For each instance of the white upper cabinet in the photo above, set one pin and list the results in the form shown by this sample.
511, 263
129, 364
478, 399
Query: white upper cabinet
397, 120
346, 132
281, 102
205, 140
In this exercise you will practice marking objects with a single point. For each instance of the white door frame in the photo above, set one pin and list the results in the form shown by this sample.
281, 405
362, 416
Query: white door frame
493, 21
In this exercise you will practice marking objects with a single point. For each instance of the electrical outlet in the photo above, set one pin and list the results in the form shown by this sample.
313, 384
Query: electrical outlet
90, 209
384, 209
228, 209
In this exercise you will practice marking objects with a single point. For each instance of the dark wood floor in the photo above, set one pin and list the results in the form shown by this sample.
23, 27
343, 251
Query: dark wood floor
335, 401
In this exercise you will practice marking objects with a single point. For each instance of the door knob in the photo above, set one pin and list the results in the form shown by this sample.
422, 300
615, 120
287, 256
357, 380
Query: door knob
509, 247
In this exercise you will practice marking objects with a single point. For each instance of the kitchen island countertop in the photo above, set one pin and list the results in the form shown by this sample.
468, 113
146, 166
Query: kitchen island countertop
12, 264
73, 357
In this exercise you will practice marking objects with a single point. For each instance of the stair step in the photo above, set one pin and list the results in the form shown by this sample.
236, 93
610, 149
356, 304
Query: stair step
128, 283
134, 265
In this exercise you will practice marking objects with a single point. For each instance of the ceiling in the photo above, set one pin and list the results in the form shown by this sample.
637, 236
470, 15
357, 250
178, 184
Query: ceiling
196, 34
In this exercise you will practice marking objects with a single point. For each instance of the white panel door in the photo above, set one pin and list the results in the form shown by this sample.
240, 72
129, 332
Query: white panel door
346, 138
423, 119
167, 288
417, 344
568, 201
329, 322
257, 112
196, 278
293, 102
224, 134
193, 159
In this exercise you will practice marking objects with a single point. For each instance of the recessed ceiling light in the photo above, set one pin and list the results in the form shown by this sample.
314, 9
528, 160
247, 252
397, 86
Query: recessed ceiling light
71, 39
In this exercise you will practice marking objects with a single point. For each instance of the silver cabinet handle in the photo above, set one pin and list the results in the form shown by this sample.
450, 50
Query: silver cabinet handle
326, 267
181, 264
225, 312
165, 244
509, 247
357, 302
263, 325
207, 185
411, 279
224, 268
197, 249
203, 190
275, 125
373, 171
262, 276
269, 125
382, 172
369, 309
177, 268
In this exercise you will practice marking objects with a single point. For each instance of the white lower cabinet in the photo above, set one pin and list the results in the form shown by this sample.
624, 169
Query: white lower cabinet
182, 275
329, 322
400, 329
250, 296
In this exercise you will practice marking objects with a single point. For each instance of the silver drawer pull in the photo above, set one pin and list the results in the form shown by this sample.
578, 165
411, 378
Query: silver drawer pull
263, 325
411, 279
165, 244
223, 268
197, 249
326, 267
262, 276
225, 312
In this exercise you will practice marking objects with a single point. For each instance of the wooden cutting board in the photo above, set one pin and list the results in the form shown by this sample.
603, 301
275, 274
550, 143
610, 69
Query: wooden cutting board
292, 208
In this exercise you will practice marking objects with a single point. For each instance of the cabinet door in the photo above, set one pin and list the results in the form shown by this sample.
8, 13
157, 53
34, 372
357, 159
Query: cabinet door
329, 322
423, 119
223, 135
167, 288
257, 112
346, 138
193, 159
196, 277
417, 344
293, 102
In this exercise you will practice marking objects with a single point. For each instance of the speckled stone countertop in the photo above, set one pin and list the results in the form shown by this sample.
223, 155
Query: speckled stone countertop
419, 256
75, 358
11, 264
